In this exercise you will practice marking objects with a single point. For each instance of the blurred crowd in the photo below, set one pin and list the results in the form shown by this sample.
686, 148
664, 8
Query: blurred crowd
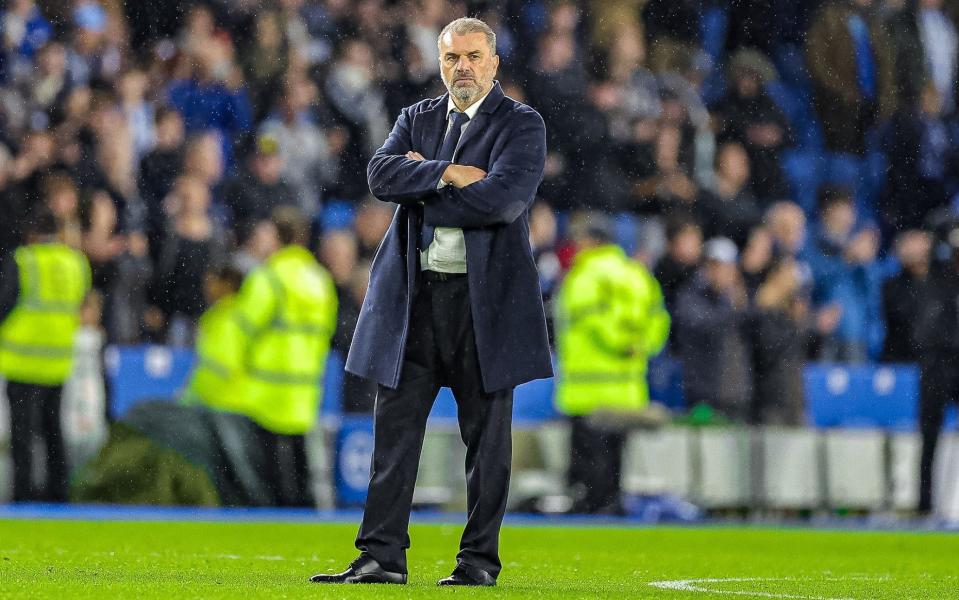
787, 169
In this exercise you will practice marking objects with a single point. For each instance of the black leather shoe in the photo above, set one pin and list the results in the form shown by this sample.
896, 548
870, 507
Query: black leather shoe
362, 570
464, 574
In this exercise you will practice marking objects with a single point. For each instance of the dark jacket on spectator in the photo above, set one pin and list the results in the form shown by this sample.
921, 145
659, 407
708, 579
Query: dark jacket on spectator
921, 156
250, 200
714, 350
905, 299
779, 355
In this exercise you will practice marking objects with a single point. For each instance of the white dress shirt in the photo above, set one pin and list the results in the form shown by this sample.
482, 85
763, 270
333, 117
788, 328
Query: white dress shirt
447, 253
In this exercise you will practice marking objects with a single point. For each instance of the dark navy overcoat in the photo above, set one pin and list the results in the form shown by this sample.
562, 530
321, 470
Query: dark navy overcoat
507, 139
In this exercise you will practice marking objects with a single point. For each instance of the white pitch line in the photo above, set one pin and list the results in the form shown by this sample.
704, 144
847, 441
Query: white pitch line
694, 585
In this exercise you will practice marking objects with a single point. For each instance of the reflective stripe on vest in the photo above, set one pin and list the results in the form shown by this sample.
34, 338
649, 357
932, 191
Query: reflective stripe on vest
37, 350
36, 338
575, 377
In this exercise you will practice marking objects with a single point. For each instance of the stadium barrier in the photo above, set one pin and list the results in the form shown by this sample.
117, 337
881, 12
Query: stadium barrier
860, 453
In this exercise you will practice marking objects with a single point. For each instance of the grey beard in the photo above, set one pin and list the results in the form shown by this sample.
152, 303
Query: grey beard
462, 94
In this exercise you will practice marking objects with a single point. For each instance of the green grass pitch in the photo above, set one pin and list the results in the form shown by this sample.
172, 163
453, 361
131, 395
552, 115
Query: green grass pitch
78, 559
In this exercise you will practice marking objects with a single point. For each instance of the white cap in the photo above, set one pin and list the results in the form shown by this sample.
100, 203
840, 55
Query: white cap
721, 250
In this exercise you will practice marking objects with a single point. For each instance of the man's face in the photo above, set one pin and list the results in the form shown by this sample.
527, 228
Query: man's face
721, 275
467, 66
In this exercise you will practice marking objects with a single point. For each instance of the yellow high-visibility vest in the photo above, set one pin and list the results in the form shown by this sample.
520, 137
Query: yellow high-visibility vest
219, 360
36, 338
610, 318
286, 310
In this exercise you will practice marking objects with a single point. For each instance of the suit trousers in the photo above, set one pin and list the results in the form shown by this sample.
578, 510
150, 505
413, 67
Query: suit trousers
440, 351
938, 387
35, 413
286, 472
595, 468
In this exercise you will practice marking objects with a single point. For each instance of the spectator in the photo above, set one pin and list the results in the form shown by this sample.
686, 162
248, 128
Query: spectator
372, 220
846, 275
558, 89
543, 240
203, 158
137, 110
926, 46
352, 94
121, 267
785, 224
259, 245
672, 27
850, 61
254, 194
936, 331
683, 107
638, 88
193, 245
265, 60
711, 313
669, 189
729, 208
359, 395
25, 31
684, 251
779, 346
308, 153
923, 154
158, 170
339, 254
87, 56
752, 118
46, 87
63, 201
905, 296
211, 96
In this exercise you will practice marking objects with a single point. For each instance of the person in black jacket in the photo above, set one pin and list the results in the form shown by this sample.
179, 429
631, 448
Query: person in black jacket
711, 319
905, 295
255, 193
936, 335
752, 118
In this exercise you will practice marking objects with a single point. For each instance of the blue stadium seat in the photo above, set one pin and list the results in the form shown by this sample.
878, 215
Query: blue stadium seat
804, 171
880, 396
885, 396
337, 214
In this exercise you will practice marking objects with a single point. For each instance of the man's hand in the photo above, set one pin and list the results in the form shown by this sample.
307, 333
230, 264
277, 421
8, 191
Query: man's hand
458, 176
461, 176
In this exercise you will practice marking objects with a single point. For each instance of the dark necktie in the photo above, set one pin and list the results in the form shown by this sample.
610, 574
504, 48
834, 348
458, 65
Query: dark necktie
446, 153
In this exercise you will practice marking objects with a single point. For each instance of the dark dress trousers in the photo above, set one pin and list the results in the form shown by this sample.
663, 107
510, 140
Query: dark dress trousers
481, 333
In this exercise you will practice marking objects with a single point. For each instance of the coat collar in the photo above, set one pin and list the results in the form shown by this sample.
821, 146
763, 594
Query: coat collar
436, 117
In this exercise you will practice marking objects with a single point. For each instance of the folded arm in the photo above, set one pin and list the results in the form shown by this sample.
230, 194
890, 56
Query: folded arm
505, 192
395, 177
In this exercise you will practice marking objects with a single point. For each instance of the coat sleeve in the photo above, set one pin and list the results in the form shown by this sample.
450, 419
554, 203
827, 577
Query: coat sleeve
394, 178
508, 188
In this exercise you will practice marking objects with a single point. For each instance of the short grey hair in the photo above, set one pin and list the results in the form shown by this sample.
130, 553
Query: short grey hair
465, 25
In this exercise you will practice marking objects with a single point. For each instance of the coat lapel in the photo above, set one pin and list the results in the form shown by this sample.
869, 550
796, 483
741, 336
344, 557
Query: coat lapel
478, 124
431, 125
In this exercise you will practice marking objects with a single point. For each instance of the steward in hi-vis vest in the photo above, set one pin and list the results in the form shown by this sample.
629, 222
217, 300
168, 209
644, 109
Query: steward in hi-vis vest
610, 318
43, 286
282, 320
